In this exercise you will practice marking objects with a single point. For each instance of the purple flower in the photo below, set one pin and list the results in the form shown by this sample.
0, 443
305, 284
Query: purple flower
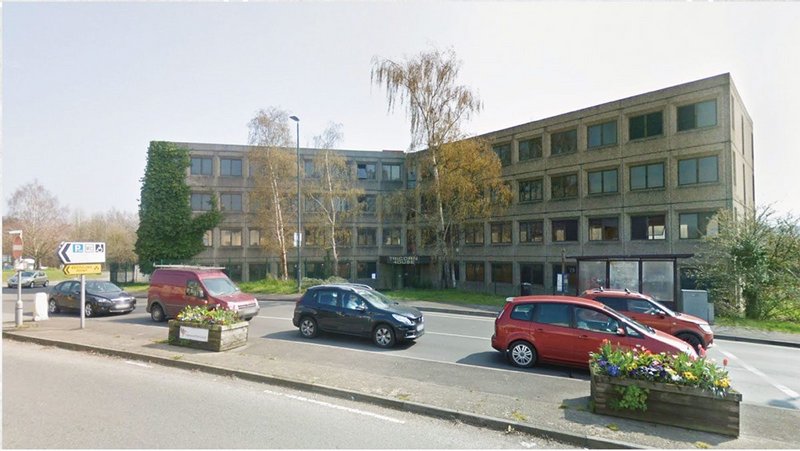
613, 370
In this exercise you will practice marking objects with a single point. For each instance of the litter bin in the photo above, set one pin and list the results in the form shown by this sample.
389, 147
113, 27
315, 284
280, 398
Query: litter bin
525, 289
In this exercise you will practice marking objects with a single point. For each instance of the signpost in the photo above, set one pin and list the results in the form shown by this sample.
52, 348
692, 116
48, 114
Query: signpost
16, 252
82, 258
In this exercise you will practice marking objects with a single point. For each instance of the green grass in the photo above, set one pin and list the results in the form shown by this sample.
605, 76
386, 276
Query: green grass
447, 296
772, 325
269, 286
54, 275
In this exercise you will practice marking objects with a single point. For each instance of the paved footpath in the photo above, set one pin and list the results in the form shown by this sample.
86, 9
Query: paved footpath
541, 405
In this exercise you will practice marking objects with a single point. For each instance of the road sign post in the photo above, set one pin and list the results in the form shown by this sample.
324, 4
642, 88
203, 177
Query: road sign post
82, 258
16, 252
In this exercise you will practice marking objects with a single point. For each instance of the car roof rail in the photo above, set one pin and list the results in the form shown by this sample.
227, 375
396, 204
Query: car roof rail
189, 267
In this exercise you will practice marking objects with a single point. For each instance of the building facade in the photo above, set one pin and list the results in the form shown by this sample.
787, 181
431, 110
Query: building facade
618, 194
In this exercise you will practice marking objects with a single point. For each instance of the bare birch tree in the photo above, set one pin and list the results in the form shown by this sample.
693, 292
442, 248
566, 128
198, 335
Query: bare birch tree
436, 106
332, 195
275, 177
41, 218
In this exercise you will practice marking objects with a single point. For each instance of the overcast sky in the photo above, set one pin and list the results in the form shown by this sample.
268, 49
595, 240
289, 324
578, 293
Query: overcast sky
87, 86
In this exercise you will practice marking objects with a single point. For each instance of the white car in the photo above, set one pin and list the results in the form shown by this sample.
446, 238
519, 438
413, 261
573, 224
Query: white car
29, 279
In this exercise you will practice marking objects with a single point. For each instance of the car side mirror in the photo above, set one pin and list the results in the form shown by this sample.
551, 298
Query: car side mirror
621, 331
361, 307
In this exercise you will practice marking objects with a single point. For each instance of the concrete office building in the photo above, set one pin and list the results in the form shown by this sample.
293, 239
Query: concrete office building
617, 194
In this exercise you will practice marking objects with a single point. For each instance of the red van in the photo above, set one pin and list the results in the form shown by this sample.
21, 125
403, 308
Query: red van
173, 288
565, 329
646, 310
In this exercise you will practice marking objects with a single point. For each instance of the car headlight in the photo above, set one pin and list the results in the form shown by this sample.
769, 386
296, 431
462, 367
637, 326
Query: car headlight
98, 299
402, 319
706, 328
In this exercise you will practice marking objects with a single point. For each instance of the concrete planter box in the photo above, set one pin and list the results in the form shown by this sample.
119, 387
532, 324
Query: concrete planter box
673, 405
208, 337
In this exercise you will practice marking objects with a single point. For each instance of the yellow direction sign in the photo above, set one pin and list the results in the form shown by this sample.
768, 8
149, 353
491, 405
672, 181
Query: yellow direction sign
84, 268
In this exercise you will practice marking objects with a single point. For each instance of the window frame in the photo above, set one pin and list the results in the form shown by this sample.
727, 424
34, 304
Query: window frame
683, 124
230, 202
649, 231
202, 201
603, 224
603, 128
647, 176
202, 160
568, 225
603, 183
503, 152
366, 171
230, 238
563, 189
646, 117
564, 137
230, 171
698, 171
529, 196
388, 170
530, 228
503, 230
474, 269
703, 220
533, 151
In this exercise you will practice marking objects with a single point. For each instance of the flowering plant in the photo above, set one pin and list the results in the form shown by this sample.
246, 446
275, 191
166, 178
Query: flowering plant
204, 315
641, 364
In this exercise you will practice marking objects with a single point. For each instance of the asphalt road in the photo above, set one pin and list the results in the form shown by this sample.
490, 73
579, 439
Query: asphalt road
765, 375
53, 398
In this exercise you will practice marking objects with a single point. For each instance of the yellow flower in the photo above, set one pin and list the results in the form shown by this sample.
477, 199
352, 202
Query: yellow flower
723, 383
689, 376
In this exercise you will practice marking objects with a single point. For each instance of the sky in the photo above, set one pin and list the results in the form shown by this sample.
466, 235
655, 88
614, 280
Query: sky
87, 85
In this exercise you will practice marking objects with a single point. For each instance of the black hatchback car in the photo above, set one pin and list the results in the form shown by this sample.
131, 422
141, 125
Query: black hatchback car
356, 310
101, 297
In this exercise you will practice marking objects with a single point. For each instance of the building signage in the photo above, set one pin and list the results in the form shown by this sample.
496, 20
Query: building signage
83, 268
193, 333
403, 260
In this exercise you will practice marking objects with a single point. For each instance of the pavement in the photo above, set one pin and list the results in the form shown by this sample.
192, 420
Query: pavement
545, 406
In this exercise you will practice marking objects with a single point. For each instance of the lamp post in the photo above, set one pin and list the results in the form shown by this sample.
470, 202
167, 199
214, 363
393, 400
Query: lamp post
299, 209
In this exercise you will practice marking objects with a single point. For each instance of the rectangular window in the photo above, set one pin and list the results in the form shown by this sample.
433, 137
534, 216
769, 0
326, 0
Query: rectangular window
603, 229
309, 171
696, 225
651, 227
531, 231
564, 186
600, 135
646, 125
366, 236
255, 238
501, 273
201, 166
697, 115
230, 238
555, 314
391, 236
312, 236
366, 270
230, 202
368, 203
530, 149
697, 170
565, 230
501, 233
473, 234
530, 190
412, 179
475, 272
564, 142
230, 167
391, 172
201, 202
208, 238
366, 171
532, 273
647, 176
503, 152
603, 182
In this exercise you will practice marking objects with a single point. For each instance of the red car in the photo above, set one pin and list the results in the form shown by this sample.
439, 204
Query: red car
564, 330
646, 310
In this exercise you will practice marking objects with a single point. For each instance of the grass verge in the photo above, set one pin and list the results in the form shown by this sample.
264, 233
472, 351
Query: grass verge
771, 325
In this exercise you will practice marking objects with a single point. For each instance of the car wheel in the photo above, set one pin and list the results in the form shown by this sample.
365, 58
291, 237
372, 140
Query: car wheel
52, 307
157, 313
522, 354
308, 327
88, 310
383, 336
692, 339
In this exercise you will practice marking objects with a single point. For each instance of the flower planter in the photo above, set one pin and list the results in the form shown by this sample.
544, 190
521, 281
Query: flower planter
208, 337
673, 405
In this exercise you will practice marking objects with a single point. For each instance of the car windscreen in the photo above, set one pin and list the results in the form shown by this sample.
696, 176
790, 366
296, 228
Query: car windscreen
101, 287
663, 307
27, 273
220, 286
375, 298
632, 321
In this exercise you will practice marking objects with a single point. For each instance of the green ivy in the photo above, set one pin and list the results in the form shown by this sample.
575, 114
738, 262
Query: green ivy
167, 229
631, 397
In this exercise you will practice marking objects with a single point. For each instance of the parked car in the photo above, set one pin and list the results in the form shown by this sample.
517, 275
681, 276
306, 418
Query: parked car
174, 288
101, 298
356, 309
564, 330
29, 279
646, 310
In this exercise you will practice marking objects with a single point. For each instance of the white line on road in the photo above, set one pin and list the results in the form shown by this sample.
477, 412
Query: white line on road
464, 316
143, 365
334, 406
457, 335
786, 390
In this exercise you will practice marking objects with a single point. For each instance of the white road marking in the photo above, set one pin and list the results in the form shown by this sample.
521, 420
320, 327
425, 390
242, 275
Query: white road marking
334, 406
143, 365
457, 335
465, 316
273, 317
786, 390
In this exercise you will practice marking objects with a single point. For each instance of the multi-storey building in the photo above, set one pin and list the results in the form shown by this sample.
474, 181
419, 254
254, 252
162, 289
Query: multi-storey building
617, 194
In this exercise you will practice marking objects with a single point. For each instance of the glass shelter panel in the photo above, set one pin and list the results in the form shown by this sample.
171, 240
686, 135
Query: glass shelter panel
591, 275
624, 274
658, 280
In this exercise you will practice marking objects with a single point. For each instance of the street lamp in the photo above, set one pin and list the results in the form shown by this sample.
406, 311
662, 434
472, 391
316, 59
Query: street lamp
299, 210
